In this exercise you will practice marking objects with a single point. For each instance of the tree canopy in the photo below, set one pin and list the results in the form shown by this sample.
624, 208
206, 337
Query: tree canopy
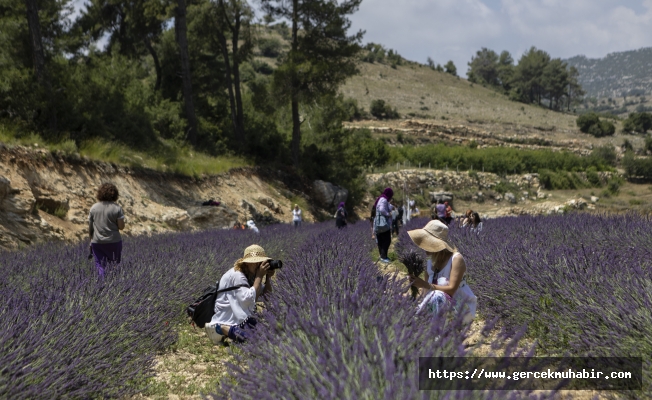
536, 78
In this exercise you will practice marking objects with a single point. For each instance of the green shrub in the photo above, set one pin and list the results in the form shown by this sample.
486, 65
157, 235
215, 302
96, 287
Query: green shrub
590, 123
262, 67
586, 121
605, 154
382, 110
552, 180
593, 177
270, 47
638, 122
504, 186
627, 145
648, 144
637, 167
613, 186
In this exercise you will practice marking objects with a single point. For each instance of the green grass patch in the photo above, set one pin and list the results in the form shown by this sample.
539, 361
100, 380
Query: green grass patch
168, 156
499, 160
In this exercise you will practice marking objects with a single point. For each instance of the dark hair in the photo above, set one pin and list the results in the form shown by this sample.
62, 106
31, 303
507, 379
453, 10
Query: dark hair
107, 192
476, 218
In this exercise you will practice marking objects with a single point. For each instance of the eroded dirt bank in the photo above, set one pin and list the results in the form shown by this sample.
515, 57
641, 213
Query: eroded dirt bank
47, 197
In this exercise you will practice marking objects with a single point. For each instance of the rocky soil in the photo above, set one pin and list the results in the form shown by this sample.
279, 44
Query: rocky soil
47, 197
483, 191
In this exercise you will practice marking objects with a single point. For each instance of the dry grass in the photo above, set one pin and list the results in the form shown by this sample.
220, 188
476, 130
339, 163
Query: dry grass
455, 101
189, 369
412, 87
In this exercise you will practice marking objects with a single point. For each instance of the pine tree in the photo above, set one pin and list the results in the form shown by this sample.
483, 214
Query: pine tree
321, 57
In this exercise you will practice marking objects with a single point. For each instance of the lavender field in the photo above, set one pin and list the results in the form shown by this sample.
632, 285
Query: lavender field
335, 327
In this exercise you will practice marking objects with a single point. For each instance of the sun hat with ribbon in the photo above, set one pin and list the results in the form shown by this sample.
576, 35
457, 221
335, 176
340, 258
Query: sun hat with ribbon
433, 237
253, 254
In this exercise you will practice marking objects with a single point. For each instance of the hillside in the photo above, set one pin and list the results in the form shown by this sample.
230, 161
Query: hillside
618, 74
436, 98
418, 91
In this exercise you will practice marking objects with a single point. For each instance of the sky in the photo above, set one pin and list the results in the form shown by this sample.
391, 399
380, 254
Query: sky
455, 29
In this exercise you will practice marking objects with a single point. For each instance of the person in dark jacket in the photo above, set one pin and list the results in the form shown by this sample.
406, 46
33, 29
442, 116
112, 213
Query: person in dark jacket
340, 216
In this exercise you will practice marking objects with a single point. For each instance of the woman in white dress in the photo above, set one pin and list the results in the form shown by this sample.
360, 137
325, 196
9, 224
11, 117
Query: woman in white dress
445, 276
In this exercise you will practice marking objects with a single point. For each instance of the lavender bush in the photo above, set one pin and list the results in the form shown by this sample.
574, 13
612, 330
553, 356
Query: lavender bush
333, 330
65, 334
334, 327
581, 283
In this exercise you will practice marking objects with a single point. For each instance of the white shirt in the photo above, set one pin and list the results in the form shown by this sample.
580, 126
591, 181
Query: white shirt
296, 215
234, 306
252, 226
463, 295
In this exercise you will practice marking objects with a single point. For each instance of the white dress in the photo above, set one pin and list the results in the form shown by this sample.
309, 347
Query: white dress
463, 300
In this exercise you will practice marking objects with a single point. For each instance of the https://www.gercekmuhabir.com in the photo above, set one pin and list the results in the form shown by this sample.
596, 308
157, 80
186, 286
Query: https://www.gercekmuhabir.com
549, 373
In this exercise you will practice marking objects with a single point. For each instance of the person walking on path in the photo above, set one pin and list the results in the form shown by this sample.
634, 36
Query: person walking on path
296, 216
105, 221
340, 216
384, 209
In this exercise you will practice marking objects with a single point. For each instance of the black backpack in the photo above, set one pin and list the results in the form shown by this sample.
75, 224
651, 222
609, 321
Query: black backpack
201, 311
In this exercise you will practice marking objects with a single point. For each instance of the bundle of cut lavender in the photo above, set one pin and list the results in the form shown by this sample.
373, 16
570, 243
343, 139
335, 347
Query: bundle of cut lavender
414, 262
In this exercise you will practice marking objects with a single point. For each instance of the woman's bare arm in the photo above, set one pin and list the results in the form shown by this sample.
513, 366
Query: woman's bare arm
458, 269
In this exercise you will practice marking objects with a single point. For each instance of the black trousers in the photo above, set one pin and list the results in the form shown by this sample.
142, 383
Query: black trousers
384, 240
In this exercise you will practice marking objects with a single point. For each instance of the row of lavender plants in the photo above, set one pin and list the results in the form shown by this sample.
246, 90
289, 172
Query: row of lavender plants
66, 334
582, 284
335, 328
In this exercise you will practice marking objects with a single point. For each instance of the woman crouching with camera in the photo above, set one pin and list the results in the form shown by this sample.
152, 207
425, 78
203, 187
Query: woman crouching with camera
235, 307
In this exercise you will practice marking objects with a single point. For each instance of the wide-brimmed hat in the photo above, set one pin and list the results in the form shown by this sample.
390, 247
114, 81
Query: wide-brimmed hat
433, 237
253, 254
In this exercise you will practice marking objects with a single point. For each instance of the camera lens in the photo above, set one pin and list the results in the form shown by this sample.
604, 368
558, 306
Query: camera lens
275, 264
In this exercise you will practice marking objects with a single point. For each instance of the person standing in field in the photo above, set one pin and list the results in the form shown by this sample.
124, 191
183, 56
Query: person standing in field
395, 219
441, 210
105, 221
449, 213
340, 216
383, 231
296, 216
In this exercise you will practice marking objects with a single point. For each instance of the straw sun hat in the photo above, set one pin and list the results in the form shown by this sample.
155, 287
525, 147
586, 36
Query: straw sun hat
253, 254
433, 237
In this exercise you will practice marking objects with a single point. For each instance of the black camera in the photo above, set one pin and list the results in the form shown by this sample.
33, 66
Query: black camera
275, 264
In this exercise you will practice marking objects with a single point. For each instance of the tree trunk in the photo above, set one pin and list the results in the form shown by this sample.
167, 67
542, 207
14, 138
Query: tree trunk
229, 81
236, 74
182, 40
157, 64
38, 58
296, 121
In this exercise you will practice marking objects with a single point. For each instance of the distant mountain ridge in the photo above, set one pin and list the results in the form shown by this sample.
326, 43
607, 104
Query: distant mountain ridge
617, 74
